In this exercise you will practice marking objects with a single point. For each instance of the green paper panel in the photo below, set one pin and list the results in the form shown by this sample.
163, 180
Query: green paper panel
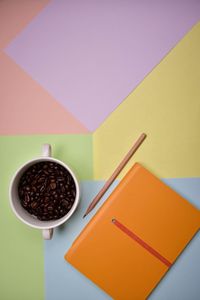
22, 253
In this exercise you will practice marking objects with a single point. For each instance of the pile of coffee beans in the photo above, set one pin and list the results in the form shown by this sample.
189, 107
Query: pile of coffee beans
47, 190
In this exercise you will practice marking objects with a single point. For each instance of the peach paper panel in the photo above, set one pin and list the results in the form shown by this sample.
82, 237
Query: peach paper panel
15, 15
26, 108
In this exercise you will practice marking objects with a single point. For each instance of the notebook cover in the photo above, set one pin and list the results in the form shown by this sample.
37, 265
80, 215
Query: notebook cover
135, 236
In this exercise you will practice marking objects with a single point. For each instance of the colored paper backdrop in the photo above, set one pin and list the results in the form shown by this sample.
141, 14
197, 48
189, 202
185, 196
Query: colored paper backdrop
88, 77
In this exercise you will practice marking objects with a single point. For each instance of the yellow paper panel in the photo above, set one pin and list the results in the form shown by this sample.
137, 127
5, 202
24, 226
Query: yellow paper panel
166, 106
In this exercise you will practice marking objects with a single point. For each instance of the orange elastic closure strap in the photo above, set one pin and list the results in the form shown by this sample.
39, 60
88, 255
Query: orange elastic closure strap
141, 242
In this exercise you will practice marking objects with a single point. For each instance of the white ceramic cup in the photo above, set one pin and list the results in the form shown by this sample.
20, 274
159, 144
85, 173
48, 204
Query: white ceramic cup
22, 214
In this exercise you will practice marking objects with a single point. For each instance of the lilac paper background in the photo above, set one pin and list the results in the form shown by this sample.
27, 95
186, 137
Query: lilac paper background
91, 54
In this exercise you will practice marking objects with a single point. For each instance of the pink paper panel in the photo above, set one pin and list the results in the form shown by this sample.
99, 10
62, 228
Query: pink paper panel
26, 108
15, 15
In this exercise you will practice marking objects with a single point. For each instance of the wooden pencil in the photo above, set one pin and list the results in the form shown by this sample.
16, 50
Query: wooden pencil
119, 168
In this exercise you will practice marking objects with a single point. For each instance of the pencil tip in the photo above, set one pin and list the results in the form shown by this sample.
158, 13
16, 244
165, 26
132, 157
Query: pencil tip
84, 216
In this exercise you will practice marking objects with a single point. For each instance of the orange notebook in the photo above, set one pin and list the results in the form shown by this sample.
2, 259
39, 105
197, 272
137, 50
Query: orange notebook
135, 236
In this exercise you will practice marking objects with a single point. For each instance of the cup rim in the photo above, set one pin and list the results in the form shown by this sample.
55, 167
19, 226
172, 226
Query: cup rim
56, 222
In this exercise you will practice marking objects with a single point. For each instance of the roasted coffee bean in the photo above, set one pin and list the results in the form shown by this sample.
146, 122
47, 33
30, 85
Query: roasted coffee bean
65, 202
53, 185
34, 204
46, 200
42, 188
41, 179
60, 179
24, 203
27, 198
47, 191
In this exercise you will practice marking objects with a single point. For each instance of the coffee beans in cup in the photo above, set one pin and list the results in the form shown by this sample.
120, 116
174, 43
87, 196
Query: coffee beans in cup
47, 190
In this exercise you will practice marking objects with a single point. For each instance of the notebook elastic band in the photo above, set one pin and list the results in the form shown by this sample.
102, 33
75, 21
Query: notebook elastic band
141, 242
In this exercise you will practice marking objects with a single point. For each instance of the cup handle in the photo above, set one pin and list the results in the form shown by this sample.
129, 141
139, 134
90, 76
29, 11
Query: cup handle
47, 234
46, 150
